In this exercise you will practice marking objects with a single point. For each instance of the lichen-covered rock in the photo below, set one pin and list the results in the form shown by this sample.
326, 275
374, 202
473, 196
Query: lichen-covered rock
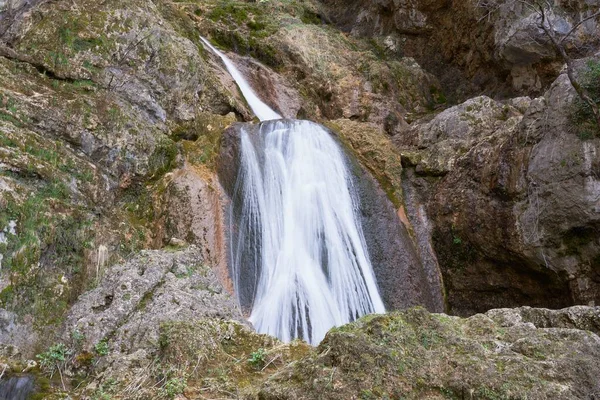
454, 131
578, 317
133, 299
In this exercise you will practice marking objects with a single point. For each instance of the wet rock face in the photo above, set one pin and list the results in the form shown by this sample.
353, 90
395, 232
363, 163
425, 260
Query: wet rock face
401, 276
512, 192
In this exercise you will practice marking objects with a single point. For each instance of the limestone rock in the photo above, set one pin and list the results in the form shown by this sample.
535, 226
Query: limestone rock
133, 299
515, 211
472, 45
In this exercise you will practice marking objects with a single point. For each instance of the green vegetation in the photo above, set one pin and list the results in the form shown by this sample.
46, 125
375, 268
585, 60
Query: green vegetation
581, 115
54, 359
41, 232
163, 158
257, 358
101, 348
174, 387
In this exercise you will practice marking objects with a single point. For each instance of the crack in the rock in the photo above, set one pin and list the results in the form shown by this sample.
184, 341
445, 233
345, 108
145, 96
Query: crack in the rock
11, 54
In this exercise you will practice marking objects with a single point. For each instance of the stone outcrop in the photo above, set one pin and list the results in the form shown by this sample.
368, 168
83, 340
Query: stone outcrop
415, 355
494, 46
126, 310
511, 189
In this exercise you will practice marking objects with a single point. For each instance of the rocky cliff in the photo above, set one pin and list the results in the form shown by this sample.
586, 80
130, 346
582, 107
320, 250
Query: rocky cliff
113, 255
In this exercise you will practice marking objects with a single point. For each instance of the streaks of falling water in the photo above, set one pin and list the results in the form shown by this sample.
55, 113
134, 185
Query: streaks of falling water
297, 196
298, 219
261, 110
16, 388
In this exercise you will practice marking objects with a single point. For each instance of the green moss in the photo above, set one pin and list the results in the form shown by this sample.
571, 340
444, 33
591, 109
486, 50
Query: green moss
310, 17
581, 115
249, 45
234, 11
374, 151
163, 158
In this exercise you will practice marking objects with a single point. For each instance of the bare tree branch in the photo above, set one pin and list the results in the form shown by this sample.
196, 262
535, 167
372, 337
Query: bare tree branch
578, 24
545, 24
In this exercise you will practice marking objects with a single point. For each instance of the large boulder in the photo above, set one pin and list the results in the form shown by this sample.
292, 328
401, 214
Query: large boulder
512, 192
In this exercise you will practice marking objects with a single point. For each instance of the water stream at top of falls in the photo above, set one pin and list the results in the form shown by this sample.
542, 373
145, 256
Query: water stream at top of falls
295, 225
260, 109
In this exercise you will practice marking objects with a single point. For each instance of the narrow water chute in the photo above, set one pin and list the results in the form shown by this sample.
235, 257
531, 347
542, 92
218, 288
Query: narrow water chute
260, 109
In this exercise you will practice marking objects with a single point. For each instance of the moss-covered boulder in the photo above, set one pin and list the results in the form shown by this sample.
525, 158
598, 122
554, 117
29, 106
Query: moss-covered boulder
416, 355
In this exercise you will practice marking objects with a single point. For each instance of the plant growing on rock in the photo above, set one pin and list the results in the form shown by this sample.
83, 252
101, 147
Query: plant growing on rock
174, 386
55, 359
257, 359
101, 348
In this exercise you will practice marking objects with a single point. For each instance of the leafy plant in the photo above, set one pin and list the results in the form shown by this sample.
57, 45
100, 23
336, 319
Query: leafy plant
257, 358
101, 348
54, 358
174, 386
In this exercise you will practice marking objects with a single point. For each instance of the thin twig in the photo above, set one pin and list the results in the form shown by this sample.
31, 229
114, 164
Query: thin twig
270, 362
578, 24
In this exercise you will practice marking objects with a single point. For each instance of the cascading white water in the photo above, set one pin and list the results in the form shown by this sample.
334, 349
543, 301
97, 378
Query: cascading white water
297, 229
261, 110
297, 194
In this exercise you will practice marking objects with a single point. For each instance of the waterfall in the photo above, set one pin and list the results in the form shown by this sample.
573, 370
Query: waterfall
260, 109
297, 246
299, 212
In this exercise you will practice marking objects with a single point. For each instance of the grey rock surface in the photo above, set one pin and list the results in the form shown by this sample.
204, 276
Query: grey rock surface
134, 298
513, 194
